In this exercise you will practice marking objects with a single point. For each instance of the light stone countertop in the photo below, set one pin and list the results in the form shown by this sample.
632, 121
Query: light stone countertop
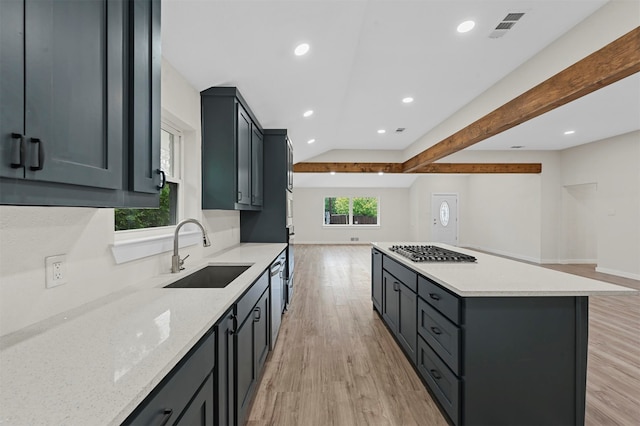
96, 363
494, 276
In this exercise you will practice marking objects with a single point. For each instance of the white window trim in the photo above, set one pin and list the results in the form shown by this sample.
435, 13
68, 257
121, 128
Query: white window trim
133, 244
350, 224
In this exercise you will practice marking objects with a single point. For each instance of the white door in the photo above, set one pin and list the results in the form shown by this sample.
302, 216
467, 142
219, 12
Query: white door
444, 215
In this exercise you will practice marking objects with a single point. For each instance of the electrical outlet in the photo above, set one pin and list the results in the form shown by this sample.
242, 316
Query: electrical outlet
355, 238
55, 270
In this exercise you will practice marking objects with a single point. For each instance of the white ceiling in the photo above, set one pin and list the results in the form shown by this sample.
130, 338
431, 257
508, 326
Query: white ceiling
366, 55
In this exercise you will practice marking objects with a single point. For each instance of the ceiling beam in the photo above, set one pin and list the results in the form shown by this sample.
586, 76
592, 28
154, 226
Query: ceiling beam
428, 168
615, 61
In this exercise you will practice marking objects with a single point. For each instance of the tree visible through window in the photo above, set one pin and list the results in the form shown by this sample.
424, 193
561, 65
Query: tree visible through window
351, 210
166, 214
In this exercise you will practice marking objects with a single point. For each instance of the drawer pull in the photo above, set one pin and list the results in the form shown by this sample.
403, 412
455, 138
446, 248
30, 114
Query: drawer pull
436, 330
436, 374
17, 151
40, 164
396, 286
259, 312
434, 296
166, 415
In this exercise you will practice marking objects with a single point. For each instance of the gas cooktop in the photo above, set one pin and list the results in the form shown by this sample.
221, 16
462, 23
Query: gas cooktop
431, 254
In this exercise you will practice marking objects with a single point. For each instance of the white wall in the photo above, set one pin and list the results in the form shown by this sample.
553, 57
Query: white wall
579, 242
614, 166
85, 235
308, 207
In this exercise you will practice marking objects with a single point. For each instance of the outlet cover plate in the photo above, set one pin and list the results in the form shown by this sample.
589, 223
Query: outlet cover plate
55, 268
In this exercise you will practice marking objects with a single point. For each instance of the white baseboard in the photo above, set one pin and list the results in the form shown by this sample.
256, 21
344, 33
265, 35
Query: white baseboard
576, 261
618, 273
507, 254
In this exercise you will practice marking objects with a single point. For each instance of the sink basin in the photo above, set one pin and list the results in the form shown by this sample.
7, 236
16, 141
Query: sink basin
215, 276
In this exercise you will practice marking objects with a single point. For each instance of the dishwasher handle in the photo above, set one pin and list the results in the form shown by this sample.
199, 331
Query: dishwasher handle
275, 268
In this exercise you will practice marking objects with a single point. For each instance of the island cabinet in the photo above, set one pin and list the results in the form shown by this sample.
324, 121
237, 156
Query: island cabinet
399, 304
376, 279
232, 152
488, 360
80, 110
186, 395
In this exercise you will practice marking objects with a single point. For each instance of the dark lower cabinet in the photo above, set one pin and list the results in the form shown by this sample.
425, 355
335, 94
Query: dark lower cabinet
390, 300
185, 394
225, 406
407, 321
376, 279
252, 350
199, 412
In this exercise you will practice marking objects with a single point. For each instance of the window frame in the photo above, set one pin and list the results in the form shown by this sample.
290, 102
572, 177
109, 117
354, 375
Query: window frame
351, 224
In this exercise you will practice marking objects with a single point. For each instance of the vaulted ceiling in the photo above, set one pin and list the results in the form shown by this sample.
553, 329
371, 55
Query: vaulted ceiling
367, 55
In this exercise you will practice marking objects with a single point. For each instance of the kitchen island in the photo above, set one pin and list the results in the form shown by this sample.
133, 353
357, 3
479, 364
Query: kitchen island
94, 365
495, 341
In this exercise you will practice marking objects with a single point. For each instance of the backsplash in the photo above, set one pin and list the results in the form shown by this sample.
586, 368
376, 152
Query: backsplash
85, 235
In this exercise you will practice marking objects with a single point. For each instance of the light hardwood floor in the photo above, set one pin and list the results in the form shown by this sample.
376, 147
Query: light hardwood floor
335, 363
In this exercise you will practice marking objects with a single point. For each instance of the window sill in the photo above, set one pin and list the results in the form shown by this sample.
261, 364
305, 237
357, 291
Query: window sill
138, 248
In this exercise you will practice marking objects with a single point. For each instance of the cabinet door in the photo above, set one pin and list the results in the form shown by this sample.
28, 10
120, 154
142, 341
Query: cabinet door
390, 300
261, 332
376, 279
73, 91
243, 150
225, 364
289, 166
144, 95
12, 88
199, 412
245, 367
408, 321
257, 166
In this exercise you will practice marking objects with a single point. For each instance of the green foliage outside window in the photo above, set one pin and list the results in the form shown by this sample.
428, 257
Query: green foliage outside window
149, 218
336, 205
365, 206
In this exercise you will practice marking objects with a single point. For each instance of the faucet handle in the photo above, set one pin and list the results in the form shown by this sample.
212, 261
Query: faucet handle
182, 261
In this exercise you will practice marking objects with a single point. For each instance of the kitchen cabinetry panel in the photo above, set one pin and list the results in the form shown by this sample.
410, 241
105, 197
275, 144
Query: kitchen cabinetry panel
390, 299
376, 279
224, 373
65, 81
171, 397
407, 314
441, 335
439, 298
199, 412
231, 168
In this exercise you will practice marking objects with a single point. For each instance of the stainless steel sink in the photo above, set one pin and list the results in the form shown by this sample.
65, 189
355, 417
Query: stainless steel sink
213, 276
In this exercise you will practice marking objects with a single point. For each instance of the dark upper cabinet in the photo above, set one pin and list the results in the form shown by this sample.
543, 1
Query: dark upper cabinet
269, 225
78, 82
232, 164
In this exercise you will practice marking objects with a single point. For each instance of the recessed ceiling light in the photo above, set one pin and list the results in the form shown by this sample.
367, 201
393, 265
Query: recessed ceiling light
407, 100
381, 131
569, 132
301, 49
311, 141
380, 173
333, 173
466, 26
308, 113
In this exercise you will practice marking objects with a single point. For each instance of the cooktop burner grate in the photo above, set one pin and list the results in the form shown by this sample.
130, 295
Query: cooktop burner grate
431, 254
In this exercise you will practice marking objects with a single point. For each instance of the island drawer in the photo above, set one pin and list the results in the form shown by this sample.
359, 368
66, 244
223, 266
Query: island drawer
247, 302
404, 274
439, 298
442, 382
440, 334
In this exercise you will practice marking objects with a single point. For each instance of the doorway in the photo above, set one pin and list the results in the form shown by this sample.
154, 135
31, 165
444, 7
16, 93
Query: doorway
444, 217
579, 207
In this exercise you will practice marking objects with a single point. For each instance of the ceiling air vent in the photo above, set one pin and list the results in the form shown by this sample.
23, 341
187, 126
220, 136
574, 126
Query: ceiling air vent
400, 129
506, 24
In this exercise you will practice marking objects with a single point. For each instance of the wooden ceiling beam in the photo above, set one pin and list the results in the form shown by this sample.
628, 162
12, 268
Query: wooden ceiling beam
615, 61
428, 168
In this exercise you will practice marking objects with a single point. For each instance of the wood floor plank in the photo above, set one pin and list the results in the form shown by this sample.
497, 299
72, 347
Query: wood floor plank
335, 363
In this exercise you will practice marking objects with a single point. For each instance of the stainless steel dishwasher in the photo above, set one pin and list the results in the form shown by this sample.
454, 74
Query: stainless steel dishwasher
277, 287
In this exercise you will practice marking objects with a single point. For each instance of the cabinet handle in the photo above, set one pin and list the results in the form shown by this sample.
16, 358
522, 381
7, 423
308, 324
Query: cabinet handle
17, 151
40, 155
436, 330
239, 195
396, 286
234, 327
259, 312
436, 374
163, 179
166, 415
434, 296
